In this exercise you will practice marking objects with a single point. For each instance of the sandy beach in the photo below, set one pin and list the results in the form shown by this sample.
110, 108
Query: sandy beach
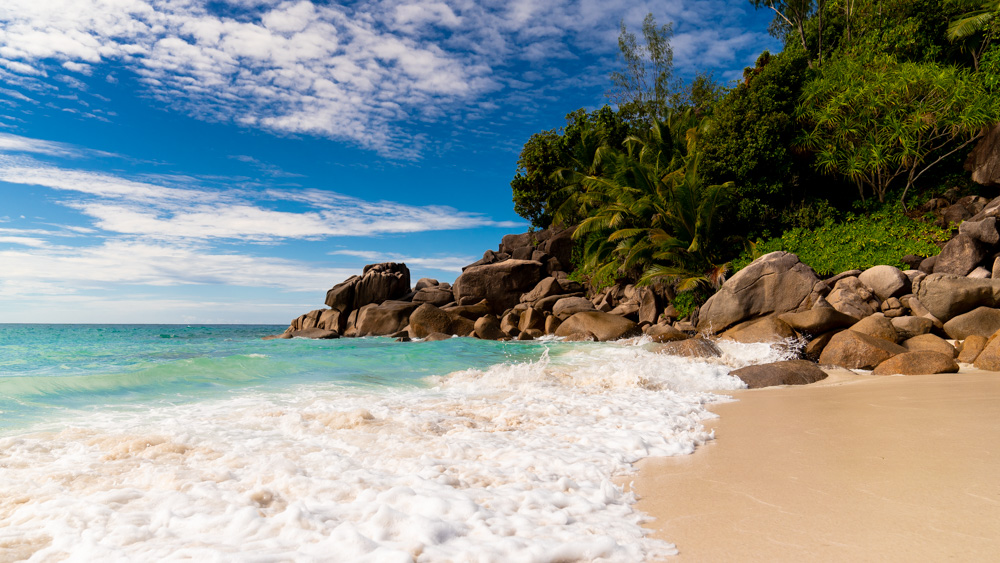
853, 468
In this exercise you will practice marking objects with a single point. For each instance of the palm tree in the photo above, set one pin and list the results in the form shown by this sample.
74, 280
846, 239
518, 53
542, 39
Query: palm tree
977, 17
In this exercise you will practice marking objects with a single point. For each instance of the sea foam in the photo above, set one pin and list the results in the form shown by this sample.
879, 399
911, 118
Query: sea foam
515, 462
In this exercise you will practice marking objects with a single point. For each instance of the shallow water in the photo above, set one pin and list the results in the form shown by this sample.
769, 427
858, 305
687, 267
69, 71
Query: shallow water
171, 442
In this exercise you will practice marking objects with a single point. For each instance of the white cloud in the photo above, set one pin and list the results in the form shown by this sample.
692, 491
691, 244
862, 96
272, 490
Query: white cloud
357, 72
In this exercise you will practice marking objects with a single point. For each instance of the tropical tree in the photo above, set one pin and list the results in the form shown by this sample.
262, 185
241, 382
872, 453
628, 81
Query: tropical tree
873, 119
979, 18
642, 87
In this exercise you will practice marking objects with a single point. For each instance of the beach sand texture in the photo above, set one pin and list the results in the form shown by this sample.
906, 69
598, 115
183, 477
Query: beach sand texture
854, 468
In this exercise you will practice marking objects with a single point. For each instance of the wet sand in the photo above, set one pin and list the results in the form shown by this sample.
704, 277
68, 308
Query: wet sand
853, 468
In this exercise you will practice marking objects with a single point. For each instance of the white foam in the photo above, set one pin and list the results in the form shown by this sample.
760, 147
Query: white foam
512, 463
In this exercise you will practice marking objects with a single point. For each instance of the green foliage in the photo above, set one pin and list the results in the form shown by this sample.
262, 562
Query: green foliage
642, 86
873, 119
537, 188
685, 302
976, 26
857, 242
750, 142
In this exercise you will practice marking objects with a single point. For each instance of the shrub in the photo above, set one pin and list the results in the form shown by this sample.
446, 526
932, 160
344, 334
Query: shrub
858, 242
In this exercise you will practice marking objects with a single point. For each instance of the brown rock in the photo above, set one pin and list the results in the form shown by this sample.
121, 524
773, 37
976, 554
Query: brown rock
767, 329
425, 282
569, 306
501, 284
665, 333
471, 312
815, 347
878, 326
818, 320
885, 281
525, 335
437, 336
892, 308
384, 319
532, 319
649, 306
377, 283
960, 256
774, 283
332, 319
434, 295
282, 336
602, 325
908, 327
580, 337
545, 288
791, 372
983, 321
984, 161
946, 296
930, 342
921, 362
971, 348
853, 350
852, 297
314, 333
509, 324
488, 328
691, 348
427, 319
989, 358
552, 324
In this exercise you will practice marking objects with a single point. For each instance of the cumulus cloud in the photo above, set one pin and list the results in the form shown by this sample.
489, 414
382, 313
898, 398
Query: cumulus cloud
359, 72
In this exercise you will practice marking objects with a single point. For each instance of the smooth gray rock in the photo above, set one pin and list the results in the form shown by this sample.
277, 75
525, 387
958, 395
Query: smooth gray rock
983, 230
885, 281
852, 297
946, 296
982, 321
960, 256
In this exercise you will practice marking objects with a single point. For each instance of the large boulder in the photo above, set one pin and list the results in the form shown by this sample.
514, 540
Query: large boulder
314, 333
885, 281
878, 326
691, 348
960, 256
852, 297
930, 342
471, 312
989, 358
384, 319
907, 327
921, 362
790, 372
971, 348
765, 329
488, 328
501, 284
664, 333
984, 160
946, 296
559, 243
569, 306
434, 295
510, 243
546, 288
377, 283
650, 305
428, 319
774, 283
602, 325
818, 320
854, 350
983, 321
984, 230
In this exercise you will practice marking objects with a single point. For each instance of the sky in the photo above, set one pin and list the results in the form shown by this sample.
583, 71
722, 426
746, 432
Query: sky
228, 161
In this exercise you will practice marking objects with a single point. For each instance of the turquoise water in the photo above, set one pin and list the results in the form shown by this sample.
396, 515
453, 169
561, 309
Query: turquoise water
52, 370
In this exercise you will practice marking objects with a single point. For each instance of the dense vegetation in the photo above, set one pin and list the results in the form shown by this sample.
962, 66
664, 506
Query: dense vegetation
820, 150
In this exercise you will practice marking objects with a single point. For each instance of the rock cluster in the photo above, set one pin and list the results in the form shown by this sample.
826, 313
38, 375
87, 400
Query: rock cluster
881, 319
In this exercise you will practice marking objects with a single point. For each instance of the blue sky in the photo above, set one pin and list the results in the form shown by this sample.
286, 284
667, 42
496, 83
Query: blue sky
179, 161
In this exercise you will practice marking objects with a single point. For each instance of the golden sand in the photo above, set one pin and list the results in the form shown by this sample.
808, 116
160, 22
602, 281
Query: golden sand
853, 468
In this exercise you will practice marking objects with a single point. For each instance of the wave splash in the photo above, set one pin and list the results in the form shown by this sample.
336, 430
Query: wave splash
514, 462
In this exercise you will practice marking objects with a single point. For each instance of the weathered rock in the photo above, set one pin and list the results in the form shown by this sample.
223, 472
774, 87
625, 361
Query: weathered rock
946, 296
488, 328
995, 272
853, 350
510, 243
927, 266
815, 347
552, 323
989, 358
570, 286
314, 333
532, 319
774, 283
384, 319
878, 326
907, 327
560, 246
546, 288
664, 333
832, 281
912, 261
523, 253
569, 306
427, 319
885, 281
649, 306
954, 215
983, 230
980, 273
602, 325
377, 283
437, 336
501, 284
471, 312
509, 324
282, 336
332, 319
433, 295
766, 329
425, 282
892, 308
984, 160
971, 348
960, 256
983, 321
580, 337
920, 362
930, 342
852, 297
818, 320
790, 372
627, 309
546, 303
489, 257
691, 348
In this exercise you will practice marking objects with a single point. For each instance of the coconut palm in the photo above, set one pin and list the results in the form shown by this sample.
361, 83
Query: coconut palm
976, 18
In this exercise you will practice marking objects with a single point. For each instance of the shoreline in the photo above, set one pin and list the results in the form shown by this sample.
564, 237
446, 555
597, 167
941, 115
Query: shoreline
854, 467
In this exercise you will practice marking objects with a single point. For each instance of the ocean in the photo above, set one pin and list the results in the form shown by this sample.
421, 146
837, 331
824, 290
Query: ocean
171, 442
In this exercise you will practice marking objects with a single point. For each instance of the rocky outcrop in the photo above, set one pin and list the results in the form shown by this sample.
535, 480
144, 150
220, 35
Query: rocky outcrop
774, 283
790, 372
766, 329
691, 348
885, 281
818, 320
981, 321
930, 342
854, 350
922, 362
984, 160
878, 326
500, 284
377, 283
384, 319
604, 326
960, 255
971, 348
947, 295
852, 297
